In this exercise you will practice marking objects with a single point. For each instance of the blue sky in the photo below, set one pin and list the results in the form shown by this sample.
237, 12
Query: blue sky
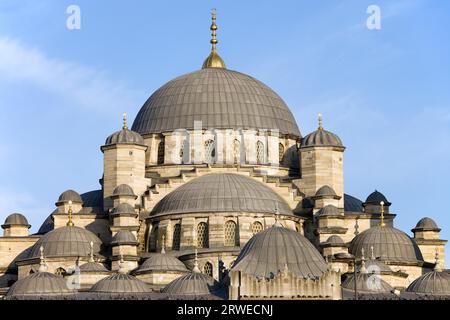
384, 92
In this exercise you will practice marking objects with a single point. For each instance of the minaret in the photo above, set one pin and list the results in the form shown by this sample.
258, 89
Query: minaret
213, 60
123, 163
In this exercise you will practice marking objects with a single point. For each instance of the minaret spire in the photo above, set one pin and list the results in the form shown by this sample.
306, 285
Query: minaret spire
214, 60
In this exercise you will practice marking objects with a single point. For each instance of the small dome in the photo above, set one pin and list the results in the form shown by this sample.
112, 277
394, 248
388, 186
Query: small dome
122, 284
124, 237
325, 191
328, 210
70, 195
376, 266
269, 252
93, 267
16, 219
37, 285
125, 136
192, 284
366, 283
222, 192
335, 240
389, 244
432, 283
123, 208
321, 138
66, 242
162, 262
376, 197
123, 190
426, 224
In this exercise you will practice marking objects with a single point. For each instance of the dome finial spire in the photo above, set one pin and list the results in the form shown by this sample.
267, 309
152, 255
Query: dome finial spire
70, 222
320, 121
382, 224
363, 262
196, 269
163, 245
213, 60
437, 266
91, 253
124, 121
43, 264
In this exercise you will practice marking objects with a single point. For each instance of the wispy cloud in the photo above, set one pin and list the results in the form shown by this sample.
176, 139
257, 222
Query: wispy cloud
84, 86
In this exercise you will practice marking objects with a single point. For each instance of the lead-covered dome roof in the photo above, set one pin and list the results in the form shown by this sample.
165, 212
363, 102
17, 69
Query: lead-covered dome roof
269, 252
192, 284
162, 262
38, 285
16, 219
66, 242
222, 192
431, 283
220, 98
367, 283
426, 224
389, 244
120, 283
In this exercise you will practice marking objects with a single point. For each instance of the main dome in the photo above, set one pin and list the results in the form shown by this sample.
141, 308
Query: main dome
220, 98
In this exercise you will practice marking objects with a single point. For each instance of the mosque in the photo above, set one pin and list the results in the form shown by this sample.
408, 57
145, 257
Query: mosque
213, 193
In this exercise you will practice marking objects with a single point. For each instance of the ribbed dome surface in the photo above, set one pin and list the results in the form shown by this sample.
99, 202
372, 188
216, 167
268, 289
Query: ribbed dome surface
123, 208
39, 284
268, 252
66, 241
222, 192
352, 204
335, 240
433, 283
376, 197
321, 138
220, 98
192, 284
120, 283
367, 283
124, 237
92, 267
388, 244
70, 195
16, 219
375, 266
162, 262
124, 136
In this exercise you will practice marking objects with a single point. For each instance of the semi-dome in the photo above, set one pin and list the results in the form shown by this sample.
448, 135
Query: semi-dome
432, 283
328, 210
389, 244
123, 190
120, 283
222, 192
70, 195
192, 284
426, 224
66, 242
220, 99
124, 237
271, 251
16, 219
162, 262
38, 285
367, 283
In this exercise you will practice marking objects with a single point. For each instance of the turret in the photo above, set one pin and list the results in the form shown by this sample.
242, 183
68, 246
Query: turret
124, 247
321, 162
123, 163
427, 237
16, 225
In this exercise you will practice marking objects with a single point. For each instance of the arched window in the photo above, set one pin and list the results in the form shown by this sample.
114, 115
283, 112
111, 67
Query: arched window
153, 238
208, 269
256, 227
210, 151
280, 153
231, 238
202, 235
161, 147
236, 150
60, 272
176, 237
259, 152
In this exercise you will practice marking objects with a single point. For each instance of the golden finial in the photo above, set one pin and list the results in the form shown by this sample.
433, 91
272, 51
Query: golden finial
70, 222
320, 122
125, 121
382, 214
213, 60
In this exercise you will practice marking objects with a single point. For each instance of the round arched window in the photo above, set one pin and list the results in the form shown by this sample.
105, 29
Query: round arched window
202, 235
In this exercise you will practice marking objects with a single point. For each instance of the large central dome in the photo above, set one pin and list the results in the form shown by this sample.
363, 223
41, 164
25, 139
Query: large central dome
220, 98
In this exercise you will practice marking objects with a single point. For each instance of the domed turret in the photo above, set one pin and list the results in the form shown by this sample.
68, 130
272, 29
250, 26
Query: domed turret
321, 138
427, 237
124, 136
16, 225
